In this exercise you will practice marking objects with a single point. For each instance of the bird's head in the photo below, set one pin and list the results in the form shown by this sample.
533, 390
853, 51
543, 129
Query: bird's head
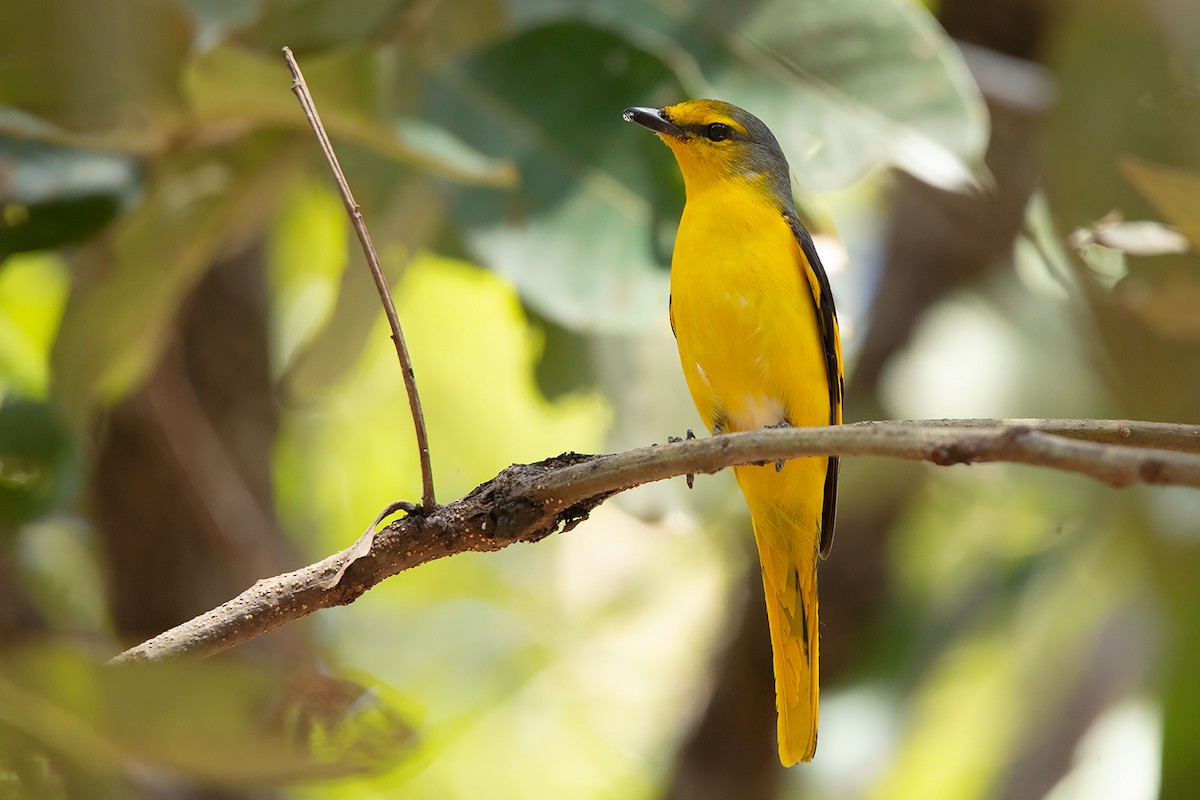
715, 141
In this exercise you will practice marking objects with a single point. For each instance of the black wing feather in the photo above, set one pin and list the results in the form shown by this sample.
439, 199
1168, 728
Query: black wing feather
827, 320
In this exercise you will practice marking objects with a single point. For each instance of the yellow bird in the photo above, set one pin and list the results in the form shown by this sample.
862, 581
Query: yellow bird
758, 338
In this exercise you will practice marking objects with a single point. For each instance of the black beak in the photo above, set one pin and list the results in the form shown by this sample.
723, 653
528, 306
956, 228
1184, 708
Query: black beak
654, 119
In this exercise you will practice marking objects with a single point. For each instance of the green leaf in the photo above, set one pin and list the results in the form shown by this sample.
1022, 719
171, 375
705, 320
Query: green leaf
846, 85
1175, 193
39, 465
576, 236
53, 194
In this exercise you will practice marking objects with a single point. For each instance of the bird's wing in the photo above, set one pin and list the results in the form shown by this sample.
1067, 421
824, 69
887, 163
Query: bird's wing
822, 298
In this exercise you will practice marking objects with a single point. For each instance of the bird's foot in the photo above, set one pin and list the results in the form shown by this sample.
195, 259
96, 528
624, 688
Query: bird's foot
779, 425
691, 476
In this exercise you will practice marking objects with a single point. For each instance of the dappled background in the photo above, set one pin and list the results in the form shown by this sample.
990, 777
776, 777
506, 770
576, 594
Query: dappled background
197, 390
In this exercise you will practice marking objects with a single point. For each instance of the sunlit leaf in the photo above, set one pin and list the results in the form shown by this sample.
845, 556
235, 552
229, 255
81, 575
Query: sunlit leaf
306, 255
404, 212
33, 291
473, 355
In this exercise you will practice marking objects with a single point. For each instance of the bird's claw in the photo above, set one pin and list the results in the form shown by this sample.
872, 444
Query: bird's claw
691, 476
783, 423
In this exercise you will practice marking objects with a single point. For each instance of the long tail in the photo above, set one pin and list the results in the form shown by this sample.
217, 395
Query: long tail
789, 568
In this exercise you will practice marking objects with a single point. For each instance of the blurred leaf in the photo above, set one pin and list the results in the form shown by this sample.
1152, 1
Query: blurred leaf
430, 29
582, 238
1107, 263
1180, 699
214, 19
564, 366
60, 570
314, 27
109, 69
33, 291
574, 237
1165, 300
306, 255
404, 214
118, 317
1007, 657
38, 463
245, 89
218, 722
1175, 193
1164, 297
473, 353
309, 26
53, 194
351, 726
1121, 91
1138, 238
853, 83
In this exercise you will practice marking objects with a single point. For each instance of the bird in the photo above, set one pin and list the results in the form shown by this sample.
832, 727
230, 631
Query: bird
757, 332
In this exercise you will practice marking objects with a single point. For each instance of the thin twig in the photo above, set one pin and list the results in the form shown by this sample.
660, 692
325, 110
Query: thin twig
528, 502
428, 500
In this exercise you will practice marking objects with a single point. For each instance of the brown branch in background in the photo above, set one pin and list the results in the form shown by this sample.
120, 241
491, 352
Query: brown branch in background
527, 502
428, 500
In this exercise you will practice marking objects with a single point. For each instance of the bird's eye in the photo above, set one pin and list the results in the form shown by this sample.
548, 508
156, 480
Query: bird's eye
718, 132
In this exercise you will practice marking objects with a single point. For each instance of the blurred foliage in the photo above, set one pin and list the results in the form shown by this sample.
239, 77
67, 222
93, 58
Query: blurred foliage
1032, 629
237, 725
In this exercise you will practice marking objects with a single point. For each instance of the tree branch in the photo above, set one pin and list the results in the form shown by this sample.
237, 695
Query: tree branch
428, 500
527, 502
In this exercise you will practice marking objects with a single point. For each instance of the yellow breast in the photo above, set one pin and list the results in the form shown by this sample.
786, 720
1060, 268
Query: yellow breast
743, 313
